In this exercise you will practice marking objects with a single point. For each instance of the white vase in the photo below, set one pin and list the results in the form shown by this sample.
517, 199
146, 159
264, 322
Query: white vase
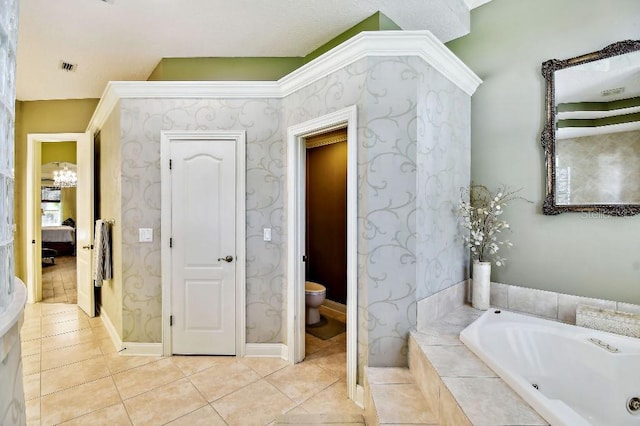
481, 288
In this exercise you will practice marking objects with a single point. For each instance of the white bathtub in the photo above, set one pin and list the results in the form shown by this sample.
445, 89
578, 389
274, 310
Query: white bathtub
578, 380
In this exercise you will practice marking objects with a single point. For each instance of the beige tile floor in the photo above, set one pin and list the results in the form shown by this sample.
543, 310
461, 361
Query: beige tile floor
59, 281
74, 376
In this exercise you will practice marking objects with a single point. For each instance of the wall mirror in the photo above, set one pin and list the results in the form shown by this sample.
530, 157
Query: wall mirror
591, 137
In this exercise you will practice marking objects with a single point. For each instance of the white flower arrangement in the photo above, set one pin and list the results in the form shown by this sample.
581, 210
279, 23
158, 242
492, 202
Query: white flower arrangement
481, 216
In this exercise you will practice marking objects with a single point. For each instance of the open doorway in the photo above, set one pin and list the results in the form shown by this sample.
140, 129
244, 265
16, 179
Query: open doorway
58, 217
58, 222
296, 236
326, 241
51, 252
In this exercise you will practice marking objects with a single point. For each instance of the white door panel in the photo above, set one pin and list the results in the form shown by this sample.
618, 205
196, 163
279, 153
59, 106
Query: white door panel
198, 316
84, 224
203, 184
34, 221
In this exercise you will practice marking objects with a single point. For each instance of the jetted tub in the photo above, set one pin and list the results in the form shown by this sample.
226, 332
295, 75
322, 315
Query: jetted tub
570, 375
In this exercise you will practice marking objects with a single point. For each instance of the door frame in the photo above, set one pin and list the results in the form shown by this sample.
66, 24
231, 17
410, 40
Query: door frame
34, 174
296, 178
239, 137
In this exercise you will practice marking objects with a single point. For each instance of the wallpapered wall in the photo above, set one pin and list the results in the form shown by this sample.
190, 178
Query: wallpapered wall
390, 93
142, 122
110, 154
444, 167
602, 168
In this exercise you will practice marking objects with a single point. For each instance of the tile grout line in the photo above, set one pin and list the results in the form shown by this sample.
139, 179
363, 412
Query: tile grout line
71, 363
308, 398
115, 385
95, 339
226, 394
71, 387
40, 371
75, 386
203, 397
134, 367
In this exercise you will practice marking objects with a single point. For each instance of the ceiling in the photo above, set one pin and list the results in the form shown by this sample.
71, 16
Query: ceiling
602, 81
49, 168
124, 40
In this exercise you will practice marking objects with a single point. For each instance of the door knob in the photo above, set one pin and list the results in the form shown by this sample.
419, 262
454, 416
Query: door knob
87, 247
226, 259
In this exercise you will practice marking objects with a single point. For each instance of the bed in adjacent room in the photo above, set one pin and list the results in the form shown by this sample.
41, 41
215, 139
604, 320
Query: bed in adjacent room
60, 238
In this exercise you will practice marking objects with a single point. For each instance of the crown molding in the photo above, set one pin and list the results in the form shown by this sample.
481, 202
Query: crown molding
420, 44
472, 4
117, 90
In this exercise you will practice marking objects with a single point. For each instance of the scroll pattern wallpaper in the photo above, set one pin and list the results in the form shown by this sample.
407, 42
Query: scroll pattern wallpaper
413, 157
444, 167
599, 169
142, 122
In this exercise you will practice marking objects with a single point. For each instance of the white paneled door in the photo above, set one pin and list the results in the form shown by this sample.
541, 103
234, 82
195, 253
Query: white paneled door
203, 247
84, 224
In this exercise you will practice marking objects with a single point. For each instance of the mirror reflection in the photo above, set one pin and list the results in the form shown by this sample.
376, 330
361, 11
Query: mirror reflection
592, 137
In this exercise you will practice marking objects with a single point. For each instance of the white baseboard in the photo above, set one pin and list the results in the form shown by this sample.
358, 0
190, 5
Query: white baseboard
359, 400
115, 338
267, 350
336, 306
129, 348
141, 349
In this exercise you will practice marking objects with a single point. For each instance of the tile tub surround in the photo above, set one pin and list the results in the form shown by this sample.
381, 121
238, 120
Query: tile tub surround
441, 303
387, 389
548, 304
625, 323
457, 385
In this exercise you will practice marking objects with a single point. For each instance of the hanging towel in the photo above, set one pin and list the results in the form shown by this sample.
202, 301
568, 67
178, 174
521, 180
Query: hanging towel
102, 253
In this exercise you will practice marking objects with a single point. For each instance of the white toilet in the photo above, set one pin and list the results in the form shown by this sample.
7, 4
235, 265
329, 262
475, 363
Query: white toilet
314, 295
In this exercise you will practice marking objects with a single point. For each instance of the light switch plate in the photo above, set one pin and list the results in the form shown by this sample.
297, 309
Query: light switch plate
145, 235
266, 234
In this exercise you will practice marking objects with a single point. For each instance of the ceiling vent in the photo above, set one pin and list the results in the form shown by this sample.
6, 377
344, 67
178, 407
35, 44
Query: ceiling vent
68, 66
616, 91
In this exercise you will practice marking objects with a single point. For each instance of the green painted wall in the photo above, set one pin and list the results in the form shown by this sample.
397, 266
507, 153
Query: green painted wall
599, 106
238, 69
376, 22
574, 253
58, 151
256, 69
59, 116
599, 122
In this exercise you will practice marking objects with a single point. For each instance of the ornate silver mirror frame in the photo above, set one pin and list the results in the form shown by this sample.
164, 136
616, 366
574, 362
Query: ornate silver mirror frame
548, 137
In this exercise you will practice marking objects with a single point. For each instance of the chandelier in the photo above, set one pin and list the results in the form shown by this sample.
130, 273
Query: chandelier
64, 178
